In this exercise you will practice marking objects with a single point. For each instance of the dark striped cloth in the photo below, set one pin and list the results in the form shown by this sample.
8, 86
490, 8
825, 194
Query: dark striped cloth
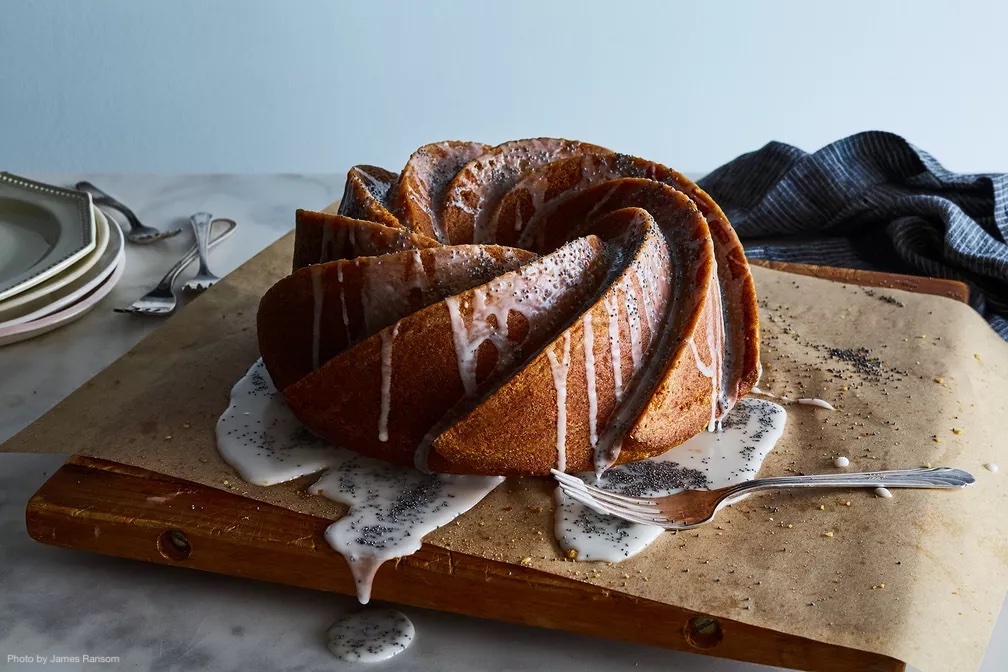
872, 201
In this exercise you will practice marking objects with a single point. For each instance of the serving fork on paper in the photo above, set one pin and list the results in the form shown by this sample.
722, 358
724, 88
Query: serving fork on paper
162, 300
692, 508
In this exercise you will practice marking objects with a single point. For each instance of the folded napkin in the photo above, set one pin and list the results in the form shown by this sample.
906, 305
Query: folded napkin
872, 201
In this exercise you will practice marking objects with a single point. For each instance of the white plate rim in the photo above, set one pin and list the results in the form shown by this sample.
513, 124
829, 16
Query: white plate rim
70, 273
97, 275
68, 250
38, 327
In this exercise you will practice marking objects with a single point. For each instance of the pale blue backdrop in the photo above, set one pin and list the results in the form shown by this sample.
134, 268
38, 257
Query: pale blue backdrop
271, 86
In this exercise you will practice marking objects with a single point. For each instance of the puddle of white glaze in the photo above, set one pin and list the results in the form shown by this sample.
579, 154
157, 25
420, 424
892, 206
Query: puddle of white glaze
370, 635
391, 507
709, 460
262, 440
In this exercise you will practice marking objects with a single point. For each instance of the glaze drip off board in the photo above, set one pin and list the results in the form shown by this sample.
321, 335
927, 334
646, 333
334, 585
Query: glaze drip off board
196, 357
391, 508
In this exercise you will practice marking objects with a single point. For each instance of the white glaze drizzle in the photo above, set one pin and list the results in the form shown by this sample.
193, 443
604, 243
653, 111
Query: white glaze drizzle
560, 369
343, 306
654, 258
883, 492
634, 322
612, 307
716, 344
387, 337
708, 371
376, 188
317, 296
715, 350
804, 401
543, 283
391, 507
648, 294
465, 345
418, 276
532, 291
422, 197
536, 188
590, 381
809, 401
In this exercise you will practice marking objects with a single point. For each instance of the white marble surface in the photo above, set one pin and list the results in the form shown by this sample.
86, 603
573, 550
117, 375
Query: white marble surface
67, 603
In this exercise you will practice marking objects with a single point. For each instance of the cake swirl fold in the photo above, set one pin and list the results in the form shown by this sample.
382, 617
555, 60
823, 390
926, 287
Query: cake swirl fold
506, 310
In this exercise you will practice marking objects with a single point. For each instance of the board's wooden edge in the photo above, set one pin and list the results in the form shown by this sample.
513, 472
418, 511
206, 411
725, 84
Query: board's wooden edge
951, 289
118, 510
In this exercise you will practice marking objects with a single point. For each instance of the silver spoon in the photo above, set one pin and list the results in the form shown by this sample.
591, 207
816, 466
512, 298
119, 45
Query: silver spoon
139, 232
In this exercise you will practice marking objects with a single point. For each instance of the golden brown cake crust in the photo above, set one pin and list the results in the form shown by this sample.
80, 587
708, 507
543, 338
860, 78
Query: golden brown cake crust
420, 189
323, 236
617, 320
320, 310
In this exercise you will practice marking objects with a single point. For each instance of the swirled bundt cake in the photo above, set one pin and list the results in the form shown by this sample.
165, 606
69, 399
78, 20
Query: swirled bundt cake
507, 310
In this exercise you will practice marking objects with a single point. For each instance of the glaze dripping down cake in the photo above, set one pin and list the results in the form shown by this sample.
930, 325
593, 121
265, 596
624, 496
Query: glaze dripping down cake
506, 310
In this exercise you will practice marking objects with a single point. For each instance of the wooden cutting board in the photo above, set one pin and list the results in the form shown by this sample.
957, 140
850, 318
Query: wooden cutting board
199, 530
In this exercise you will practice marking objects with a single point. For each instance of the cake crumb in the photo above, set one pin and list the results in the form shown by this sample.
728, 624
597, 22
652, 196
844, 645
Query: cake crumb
956, 431
828, 534
526, 562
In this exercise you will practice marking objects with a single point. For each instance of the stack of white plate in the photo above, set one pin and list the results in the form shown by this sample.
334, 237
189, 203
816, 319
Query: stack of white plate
59, 256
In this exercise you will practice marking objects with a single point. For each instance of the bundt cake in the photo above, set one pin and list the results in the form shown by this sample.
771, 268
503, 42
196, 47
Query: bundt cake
506, 310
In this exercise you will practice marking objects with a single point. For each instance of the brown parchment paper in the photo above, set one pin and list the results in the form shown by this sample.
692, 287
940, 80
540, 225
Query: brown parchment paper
931, 389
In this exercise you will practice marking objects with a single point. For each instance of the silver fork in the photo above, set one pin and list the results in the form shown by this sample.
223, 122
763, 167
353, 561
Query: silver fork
161, 300
204, 279
692, 508
139, 232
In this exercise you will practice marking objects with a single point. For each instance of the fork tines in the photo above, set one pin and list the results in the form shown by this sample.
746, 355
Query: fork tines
634, 509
